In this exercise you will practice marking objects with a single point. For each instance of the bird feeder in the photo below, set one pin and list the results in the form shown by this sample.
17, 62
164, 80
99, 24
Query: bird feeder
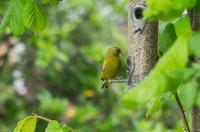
142, 43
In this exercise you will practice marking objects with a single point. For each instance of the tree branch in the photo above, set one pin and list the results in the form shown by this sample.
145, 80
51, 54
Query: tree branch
42, 117
182, 113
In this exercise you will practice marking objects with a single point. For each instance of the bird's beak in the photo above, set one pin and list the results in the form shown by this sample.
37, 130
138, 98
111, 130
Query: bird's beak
121, 54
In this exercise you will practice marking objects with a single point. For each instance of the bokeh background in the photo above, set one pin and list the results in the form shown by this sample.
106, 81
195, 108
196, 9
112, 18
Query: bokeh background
56, 73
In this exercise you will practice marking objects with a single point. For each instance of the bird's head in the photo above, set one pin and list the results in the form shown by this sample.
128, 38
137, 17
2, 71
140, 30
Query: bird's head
114, 51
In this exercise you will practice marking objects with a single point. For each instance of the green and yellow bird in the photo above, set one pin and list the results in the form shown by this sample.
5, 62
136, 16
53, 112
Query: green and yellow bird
111, 65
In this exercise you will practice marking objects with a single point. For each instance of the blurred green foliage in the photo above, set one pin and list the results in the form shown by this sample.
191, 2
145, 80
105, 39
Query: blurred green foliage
166, 10
60, 70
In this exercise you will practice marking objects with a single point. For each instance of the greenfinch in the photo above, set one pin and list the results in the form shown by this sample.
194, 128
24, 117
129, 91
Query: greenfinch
111, 65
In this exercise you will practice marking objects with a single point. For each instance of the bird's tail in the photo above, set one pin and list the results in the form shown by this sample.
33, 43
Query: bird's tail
104, 85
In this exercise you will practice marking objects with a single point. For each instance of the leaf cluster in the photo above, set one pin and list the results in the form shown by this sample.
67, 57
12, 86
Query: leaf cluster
28, 124
168, 9
22, 14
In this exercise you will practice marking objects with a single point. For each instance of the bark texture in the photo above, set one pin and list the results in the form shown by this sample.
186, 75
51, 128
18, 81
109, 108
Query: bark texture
195, 119
195, 22
143, 49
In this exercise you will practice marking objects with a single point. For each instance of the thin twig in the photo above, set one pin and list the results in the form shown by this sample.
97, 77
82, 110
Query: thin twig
182, 113
42, 117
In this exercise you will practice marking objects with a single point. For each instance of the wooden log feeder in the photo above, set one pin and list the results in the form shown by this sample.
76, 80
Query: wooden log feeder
142, 43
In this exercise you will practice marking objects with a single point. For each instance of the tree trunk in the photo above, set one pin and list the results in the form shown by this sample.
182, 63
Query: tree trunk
195, 119
142, 44
195, 22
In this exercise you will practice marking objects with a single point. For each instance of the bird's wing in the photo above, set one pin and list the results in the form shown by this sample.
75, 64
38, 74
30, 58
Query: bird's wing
110, 68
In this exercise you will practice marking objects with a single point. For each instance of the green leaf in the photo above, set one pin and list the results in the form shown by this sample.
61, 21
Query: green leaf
27, 124
194, 45
167, 9
33, 18
189, 4
197, 7
198, 98
188, 94
196, 66
173, 63
191, 85
65, 128
50, 1
183, 27
155, 104
191, 73
13, 17
53, 126
167, 37
163, 77
45, 1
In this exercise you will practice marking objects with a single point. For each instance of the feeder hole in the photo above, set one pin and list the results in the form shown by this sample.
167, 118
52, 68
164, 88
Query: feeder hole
139, 13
